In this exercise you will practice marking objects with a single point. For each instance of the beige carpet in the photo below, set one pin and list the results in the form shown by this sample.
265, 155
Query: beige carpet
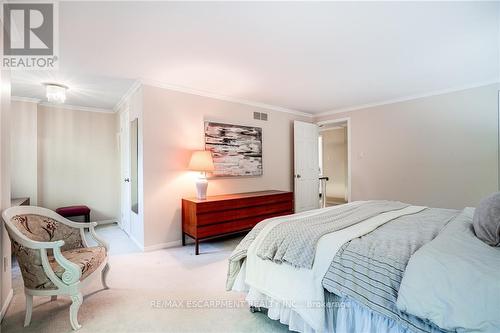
150, 292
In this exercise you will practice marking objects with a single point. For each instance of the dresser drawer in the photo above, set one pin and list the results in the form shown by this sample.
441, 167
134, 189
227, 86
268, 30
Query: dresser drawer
215, 217
233, 226
246, 202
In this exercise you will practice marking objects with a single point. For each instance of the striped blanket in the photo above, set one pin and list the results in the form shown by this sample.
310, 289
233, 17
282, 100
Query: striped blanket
294, 242
369, 269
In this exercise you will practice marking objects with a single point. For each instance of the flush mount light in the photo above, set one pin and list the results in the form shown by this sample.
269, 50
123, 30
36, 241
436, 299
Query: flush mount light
56, 93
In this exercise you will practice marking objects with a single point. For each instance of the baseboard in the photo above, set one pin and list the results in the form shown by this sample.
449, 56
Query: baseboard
136, 242
105, 222
5, 306
162, 246
156, 246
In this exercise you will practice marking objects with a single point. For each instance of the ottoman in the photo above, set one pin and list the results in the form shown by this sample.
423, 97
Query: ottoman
74, 211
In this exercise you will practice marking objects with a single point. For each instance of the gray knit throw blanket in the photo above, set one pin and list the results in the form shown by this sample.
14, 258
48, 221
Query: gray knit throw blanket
294, 242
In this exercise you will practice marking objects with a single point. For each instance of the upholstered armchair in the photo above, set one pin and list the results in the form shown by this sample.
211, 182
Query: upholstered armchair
54, 256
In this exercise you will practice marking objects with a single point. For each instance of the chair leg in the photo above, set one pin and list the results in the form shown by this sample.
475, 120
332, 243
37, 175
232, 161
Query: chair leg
29, 310
104, 275
77, 300
53, 298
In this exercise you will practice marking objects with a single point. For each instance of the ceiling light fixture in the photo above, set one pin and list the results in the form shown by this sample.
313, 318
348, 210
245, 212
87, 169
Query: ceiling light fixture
56, 93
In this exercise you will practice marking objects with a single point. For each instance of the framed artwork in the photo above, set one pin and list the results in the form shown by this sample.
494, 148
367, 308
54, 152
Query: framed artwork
236, 149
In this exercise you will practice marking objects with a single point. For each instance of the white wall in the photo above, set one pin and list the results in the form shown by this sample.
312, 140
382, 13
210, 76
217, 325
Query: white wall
5, 265
65, 157
24, 141
78, 160
173, 127
439, 151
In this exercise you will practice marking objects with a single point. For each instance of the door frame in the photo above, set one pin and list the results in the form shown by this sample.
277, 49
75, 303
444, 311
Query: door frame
349, 151
125, 211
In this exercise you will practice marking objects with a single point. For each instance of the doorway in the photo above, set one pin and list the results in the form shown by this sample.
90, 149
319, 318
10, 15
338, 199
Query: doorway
334, 161
315, 160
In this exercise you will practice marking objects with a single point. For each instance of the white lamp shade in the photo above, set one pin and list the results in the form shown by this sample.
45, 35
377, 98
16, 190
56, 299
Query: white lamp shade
201, 160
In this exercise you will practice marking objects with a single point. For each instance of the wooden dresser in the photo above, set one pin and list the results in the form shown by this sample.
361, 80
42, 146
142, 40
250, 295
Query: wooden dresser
224, 215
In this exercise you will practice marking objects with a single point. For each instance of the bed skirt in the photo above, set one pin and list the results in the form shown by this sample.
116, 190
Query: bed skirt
343, 315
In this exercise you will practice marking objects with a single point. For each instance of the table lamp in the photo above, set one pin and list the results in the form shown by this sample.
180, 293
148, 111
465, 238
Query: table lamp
201, 160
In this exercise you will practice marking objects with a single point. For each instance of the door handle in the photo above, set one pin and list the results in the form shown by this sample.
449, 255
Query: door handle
127, 180
298, 176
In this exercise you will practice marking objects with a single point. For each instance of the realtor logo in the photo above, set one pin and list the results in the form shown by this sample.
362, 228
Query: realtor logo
29, 35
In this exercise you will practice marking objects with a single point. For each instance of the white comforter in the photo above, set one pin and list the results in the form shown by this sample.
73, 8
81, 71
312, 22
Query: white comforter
300, 288
454, 280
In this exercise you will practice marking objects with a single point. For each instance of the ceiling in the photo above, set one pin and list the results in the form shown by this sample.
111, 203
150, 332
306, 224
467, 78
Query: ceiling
84, 90
313, 57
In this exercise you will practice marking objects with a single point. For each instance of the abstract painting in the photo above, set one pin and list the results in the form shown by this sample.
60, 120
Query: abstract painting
236, 150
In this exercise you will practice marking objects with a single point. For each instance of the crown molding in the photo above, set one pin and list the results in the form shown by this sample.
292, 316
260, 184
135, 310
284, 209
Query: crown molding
25, 99
76, 107
138, 83
124, 99
201, 93
38, 101
408, 98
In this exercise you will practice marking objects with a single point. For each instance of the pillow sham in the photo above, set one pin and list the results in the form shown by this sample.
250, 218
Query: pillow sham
486, 221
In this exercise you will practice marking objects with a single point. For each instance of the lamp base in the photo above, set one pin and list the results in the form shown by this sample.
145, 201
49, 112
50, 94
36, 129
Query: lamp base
201, 187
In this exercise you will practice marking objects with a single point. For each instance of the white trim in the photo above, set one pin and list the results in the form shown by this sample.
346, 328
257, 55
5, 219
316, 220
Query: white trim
136, 242
124, 99
105, 222
333, 121
138, 83
5, 306
223, 97
156, 246
75, 107
349, 150
25, 99
406, 98
330, 128
60, 106
162, 246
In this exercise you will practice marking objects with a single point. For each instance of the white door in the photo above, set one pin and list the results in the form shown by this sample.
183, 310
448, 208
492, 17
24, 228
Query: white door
125, 170
306, 166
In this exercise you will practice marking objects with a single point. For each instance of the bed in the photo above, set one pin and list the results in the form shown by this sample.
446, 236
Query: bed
340, 269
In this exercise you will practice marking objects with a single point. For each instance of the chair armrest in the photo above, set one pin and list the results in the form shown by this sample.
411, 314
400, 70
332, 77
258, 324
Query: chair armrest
82, 226
91, 226
44, 245
93, 234
72, 272
98, 239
